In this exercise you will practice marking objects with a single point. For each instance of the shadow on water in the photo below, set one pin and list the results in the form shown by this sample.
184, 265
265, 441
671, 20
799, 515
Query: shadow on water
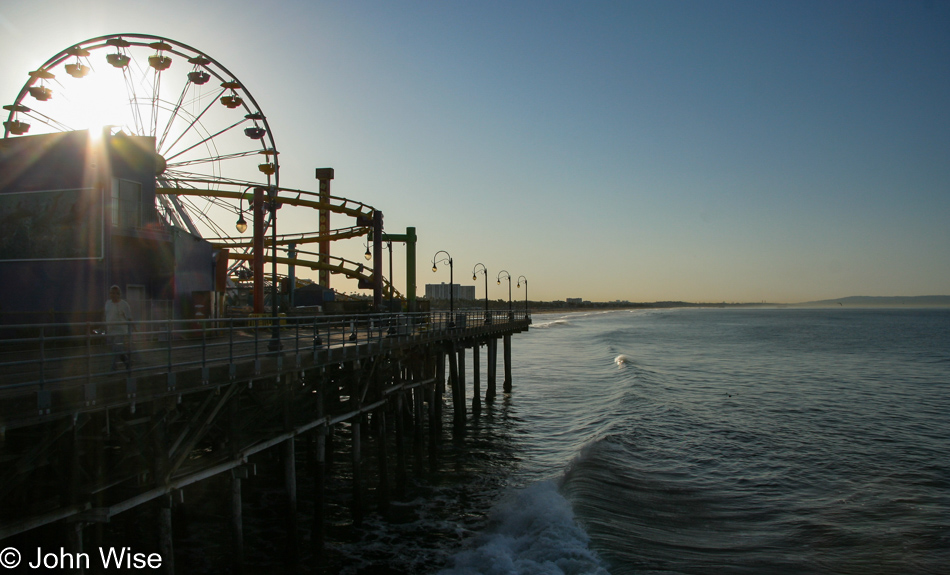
416, 532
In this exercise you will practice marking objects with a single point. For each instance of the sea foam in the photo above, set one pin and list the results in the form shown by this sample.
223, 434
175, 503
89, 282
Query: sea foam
532, 531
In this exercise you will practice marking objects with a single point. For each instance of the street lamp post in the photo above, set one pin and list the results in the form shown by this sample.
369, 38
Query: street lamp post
447, 259
507, 275
474, 277
525, 293
392, 328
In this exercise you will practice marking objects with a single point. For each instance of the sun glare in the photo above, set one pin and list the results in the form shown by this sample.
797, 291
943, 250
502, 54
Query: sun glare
95, 105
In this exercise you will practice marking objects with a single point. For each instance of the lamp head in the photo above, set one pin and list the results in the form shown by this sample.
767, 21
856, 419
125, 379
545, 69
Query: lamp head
499, 282
434, 269
241, 225
368, 255
473, 277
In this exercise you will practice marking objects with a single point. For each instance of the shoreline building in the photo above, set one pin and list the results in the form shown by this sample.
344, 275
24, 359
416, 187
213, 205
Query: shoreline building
441, 291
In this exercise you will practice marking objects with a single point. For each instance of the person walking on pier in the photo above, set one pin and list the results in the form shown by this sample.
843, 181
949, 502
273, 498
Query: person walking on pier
118, 319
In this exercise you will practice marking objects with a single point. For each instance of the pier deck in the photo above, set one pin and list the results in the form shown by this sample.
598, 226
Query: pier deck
82, 442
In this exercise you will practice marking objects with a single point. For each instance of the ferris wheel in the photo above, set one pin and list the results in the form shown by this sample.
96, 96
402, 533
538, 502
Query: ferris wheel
212, 139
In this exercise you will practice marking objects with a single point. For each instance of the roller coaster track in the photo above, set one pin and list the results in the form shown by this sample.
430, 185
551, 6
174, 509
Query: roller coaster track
303, 198
358, 271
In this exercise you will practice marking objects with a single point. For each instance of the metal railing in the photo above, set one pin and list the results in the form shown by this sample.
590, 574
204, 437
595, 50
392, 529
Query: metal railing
54, 356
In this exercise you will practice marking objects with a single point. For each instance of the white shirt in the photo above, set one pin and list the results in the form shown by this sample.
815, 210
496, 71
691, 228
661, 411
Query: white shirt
118, 313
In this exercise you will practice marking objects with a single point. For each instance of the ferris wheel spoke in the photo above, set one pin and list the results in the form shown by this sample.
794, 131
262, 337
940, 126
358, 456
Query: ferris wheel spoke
195, 179
192, 125
202, 215
173, 116
207, 139
209, 159
156, 91
51, 122
133, 102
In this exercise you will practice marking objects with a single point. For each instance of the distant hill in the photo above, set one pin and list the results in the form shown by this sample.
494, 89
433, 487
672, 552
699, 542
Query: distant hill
871, 301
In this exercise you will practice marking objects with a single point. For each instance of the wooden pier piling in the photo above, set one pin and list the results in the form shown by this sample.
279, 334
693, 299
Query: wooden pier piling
401, 474
237, 521
318, 531
458, 403
491, 392
507, 384
290, 473
357, 504
166, 546
382, 456
476, 380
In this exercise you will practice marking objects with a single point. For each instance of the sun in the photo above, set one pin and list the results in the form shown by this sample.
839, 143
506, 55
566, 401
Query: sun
94, 105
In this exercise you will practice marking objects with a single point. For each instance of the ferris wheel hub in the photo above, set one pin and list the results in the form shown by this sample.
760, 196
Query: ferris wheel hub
160, 164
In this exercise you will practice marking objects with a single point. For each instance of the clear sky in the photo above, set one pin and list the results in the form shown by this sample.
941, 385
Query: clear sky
657, 150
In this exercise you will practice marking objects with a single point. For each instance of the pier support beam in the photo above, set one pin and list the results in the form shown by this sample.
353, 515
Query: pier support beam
379, 418
71, 493
74, 540
357, 509
458, 403
492, 369
165, 546
439, 387
476, 380
289, 453
400, 447
507, 384
418, 439
461, 382
435, 410
237, 521
319, 531
238, 474
164, 503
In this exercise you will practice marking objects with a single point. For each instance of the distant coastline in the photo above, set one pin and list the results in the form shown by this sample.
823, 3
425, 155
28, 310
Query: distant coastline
935, 301
851, 301
886, 301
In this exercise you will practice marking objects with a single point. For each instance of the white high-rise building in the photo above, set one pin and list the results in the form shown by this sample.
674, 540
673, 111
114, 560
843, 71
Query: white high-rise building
441, 291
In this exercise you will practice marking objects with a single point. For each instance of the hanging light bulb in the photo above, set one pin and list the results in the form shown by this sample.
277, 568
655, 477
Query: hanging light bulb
241, 225
368, 255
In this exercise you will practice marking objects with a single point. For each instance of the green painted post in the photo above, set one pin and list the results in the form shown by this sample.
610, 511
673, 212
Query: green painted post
410, 239
411, 269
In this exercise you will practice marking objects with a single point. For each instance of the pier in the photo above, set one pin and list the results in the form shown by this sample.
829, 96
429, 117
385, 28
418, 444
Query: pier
86, 437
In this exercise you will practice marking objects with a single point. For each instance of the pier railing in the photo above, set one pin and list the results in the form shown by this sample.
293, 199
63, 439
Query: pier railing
69, 359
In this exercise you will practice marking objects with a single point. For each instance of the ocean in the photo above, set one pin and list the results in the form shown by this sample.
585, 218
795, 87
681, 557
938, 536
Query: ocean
671, 441
695, 441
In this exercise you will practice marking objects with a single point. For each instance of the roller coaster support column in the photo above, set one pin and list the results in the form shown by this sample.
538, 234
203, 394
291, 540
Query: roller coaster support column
291, 272
324, 175
378, 260
258, 250
410, 238
274, 344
